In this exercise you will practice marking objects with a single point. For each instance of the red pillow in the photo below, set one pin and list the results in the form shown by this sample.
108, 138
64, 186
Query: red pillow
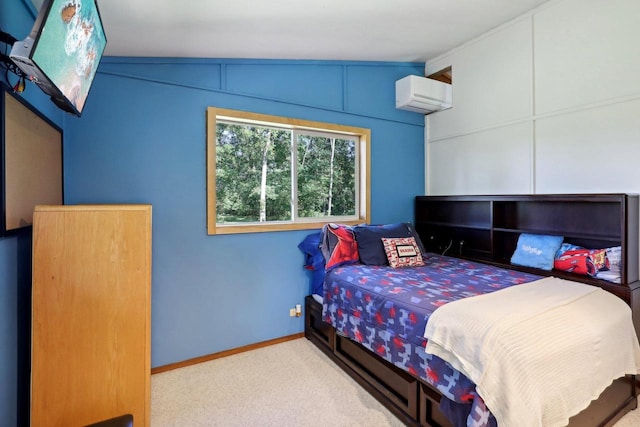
582, 261
338, 245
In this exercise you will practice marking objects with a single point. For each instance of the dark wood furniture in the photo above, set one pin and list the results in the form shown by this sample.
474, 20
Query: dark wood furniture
486, 228
121, 421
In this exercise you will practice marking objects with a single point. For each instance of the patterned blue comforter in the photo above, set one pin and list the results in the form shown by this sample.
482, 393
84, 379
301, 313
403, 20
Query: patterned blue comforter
386, 310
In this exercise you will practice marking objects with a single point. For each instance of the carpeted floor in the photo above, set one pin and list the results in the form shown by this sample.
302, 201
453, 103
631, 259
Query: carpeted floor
288, 384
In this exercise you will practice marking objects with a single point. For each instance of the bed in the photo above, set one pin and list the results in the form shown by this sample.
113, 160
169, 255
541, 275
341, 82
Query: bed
373, 327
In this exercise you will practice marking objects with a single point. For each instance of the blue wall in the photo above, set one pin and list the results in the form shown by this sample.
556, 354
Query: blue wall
142, 139
16, 18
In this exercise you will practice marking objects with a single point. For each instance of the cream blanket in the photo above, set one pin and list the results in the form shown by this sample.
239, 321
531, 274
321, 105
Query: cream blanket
538, 352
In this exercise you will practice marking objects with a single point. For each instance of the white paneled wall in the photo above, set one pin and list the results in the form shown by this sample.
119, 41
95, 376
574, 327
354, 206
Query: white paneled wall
548, 103
495, 161
485, 91
586, 51
596, 150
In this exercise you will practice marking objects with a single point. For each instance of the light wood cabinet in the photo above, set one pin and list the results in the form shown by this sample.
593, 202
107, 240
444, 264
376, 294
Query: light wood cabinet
91, 317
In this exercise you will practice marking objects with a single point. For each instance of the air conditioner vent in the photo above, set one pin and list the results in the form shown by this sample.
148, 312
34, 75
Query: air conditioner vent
422, 95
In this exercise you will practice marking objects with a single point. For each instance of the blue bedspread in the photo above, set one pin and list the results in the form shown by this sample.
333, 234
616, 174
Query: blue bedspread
386, 310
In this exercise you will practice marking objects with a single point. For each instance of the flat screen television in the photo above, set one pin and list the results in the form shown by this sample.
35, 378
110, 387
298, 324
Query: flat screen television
63, 51
30, 162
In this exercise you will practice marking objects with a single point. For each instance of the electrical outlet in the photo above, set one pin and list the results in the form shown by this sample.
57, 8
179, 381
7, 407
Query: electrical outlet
292, 312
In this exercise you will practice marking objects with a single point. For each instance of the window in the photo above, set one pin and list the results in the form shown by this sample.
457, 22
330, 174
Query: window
269, 173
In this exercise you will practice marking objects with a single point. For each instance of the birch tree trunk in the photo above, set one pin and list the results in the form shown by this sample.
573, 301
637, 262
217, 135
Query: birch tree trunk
263, 179
333, 152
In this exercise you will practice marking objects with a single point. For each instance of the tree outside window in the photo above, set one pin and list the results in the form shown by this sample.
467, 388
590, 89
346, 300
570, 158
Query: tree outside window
268, 173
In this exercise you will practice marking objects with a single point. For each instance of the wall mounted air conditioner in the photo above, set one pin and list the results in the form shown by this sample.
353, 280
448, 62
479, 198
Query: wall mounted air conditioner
422, 95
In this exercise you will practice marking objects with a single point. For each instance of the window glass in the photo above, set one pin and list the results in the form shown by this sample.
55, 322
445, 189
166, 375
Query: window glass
326, 174
269, 173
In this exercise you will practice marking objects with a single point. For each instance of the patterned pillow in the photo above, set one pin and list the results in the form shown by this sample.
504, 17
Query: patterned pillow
338, 245
614, 273
402, 252
579, 260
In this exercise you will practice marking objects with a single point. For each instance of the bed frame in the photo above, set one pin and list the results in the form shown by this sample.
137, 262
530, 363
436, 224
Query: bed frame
486, 228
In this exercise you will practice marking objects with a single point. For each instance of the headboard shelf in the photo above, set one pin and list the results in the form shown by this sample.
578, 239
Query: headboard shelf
461, 225
461, 211
567, 235
487, 227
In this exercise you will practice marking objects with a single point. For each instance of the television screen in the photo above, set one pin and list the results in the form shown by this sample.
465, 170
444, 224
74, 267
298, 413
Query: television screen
63, 50
30, 162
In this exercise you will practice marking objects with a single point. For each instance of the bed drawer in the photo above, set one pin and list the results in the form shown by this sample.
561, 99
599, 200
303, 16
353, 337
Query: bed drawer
396, 385
429, 406
315, 329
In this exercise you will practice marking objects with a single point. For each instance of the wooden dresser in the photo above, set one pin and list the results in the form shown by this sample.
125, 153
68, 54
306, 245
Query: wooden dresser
91, 314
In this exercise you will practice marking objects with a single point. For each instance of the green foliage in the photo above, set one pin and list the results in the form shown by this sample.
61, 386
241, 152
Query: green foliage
320, 182
324, 187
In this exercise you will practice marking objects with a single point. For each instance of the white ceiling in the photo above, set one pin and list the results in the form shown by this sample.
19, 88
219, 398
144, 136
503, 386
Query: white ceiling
369, 30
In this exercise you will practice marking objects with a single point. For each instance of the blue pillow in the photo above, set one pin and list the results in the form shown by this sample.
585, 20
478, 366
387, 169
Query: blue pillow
369, 240
536, 250
313, 261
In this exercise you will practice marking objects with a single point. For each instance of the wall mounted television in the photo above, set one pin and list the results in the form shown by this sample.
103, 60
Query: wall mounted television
31, 162
63, 51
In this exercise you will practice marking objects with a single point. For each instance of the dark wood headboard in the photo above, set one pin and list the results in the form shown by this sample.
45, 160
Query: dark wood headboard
486, 228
